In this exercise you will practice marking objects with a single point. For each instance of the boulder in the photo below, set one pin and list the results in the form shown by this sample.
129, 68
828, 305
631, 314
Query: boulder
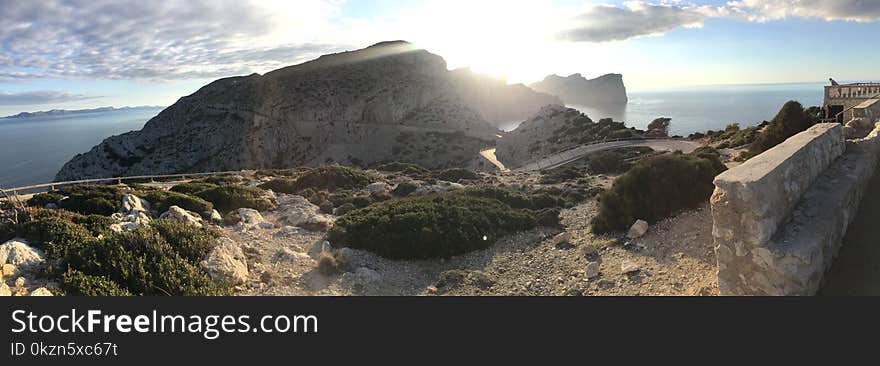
133, 204
638, 229
298, 211
378, 187
251, 219
184, 216
5, 290
9, 270
18, 253
440, 187
226, 263
51, 206
628, 267
592, 270
42, 291
215, 216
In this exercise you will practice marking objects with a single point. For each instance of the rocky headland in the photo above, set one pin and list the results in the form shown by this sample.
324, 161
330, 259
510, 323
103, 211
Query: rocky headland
578, 90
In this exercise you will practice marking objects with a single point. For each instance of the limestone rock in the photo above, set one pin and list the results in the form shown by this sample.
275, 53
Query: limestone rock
378, 187
5, 290
181, 215
9, 270
18, 253
133, 204
638, 229
298, 211
251, 219
592, 270
215, 216
42, 291
628, 267
20, 282
226, 263
439, 187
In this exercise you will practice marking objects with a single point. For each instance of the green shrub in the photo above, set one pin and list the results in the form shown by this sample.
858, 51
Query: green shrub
429, 226
547, 217
54, 231
192, 243
219, 180
457, 174
617, 160
233, 197
345, 208
143, 263
791, 120
516, 199
76, 283
99, 200
333, 177
45, 198
404, 189
560, 174
281, 185
409, 169
161, 201
192, 188
656, 188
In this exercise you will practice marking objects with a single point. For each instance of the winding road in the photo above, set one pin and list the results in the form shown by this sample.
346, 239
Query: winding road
564, 157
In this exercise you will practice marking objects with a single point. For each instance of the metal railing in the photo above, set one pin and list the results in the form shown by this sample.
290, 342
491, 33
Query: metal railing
14, 191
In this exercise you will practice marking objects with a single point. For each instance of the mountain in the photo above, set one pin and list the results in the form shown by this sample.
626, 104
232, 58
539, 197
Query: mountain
68, 112
389, 102
576, 89
496, 101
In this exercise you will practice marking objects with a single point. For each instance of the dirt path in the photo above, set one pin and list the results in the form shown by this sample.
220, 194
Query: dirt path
856, 271
571, 155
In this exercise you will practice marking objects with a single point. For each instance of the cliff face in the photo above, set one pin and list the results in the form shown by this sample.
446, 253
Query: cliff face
496, 101
576, 89
388, 102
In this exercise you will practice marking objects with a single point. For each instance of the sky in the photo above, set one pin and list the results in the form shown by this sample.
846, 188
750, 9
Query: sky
88, 53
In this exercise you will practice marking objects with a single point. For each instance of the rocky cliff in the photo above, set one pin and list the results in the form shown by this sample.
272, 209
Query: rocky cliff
498, 102
576, 89
388, 102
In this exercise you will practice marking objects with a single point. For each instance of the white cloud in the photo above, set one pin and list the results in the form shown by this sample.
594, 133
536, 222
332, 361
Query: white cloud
603, 23
170, 39
830, 10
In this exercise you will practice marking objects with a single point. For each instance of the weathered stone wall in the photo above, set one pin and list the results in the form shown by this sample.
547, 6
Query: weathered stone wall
780, 217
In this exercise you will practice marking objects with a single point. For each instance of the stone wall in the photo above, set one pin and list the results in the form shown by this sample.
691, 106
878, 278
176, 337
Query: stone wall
780, 217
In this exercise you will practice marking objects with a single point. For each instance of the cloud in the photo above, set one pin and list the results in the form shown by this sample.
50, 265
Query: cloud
830, 10
604, 23
40, 97
169, 39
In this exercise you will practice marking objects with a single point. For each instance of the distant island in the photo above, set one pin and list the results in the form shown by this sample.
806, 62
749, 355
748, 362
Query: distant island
576, 89
67, 112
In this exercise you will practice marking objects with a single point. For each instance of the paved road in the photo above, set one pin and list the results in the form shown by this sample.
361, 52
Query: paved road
571, 155
856, 271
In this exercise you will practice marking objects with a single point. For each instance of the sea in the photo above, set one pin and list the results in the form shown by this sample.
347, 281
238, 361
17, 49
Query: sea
32, 150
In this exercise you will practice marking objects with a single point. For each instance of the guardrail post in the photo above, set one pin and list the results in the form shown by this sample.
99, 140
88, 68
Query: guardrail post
52, 188
119, 181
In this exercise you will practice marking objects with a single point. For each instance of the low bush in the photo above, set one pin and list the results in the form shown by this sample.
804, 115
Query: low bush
561, 174
656, 188
161, 201
192, 188
404, 189
345, 208
516, 199
457, 174
429, 226
97, 199
192, 243
233, 197
409, 169
76, 283
281, 185
791, 120
45, 198
617, 160
331, 178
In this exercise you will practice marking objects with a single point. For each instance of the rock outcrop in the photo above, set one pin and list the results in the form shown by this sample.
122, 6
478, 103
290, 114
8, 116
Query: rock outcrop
21, 255
576, 89
496, 101
178, 214
226, 263
555, 128
388, 102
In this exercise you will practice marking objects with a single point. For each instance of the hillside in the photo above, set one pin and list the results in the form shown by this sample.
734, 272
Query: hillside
388, 102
